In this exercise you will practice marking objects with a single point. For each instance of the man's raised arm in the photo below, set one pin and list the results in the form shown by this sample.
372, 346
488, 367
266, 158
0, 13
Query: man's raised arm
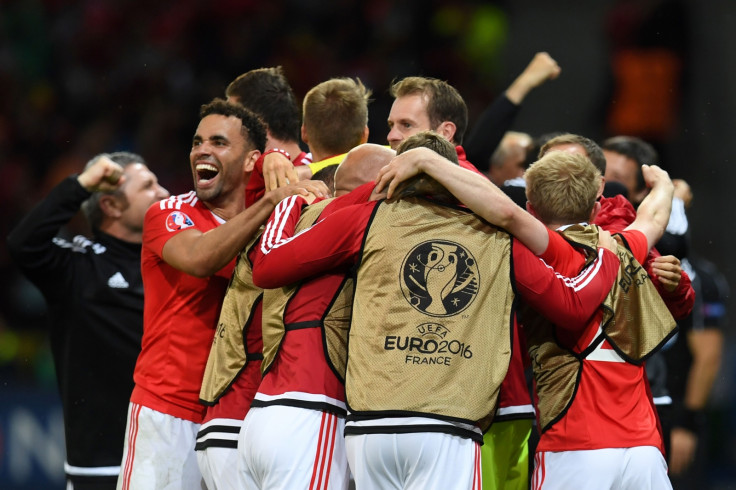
654, 211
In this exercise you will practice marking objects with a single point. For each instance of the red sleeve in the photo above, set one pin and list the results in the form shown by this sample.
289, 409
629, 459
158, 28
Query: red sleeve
359, 195
334, 242
561, 255
161, 223
637, 244
568, 302
256, 186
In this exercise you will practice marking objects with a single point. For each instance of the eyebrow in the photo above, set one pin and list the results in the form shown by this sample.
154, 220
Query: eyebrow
216, 137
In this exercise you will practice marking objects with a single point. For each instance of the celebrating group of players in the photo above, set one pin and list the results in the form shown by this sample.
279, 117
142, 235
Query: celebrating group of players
362, 312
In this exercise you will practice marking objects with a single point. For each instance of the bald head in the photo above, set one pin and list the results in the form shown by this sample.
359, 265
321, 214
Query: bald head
360, 166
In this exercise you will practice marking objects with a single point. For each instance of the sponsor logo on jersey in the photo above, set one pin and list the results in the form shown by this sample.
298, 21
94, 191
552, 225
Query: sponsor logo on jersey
117, 281
439, 278
176, 220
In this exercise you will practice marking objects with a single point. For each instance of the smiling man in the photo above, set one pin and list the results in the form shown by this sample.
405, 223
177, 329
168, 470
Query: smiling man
428, 104
189, 245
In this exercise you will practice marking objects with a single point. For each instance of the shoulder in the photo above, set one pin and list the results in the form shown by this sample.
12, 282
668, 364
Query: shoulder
177, 213
182, 201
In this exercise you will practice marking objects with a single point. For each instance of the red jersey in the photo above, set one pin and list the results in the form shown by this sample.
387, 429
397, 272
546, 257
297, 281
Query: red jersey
256, 186
464, 163
180, 313
514, 399
612, 407
300, 374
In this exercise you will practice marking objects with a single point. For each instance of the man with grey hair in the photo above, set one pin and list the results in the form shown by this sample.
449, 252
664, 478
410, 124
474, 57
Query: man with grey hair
94, 293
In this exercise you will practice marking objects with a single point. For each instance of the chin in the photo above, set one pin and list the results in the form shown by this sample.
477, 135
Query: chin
207, 195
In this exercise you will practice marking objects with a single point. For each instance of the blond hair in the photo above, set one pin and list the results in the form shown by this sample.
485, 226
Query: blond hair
336, 115
562, 187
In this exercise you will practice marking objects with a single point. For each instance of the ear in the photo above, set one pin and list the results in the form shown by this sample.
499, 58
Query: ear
600, 190
250, 160
305, 136
530, 210
595, 211
448, 130
110, 207
364, 138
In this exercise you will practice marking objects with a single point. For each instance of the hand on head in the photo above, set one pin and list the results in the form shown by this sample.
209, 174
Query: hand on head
310, 189
401, 168
278, 171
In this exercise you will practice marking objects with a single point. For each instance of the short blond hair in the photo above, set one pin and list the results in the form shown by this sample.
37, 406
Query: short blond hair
336, 114
562, 187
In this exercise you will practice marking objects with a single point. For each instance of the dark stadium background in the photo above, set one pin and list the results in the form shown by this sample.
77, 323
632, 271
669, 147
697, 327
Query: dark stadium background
81, 77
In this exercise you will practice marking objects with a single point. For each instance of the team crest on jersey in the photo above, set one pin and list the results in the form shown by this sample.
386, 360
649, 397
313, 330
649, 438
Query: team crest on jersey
177, 220
439, 278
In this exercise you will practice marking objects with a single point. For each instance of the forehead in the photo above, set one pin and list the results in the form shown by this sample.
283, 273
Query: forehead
621, 163
219, 125
135, 173
570, 148
412, 106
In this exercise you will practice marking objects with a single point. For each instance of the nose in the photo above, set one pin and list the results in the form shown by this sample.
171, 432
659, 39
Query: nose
161, 192
394, 137
201, 149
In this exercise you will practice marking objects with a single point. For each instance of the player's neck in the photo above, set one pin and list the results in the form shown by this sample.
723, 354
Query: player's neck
227, 207
291, 147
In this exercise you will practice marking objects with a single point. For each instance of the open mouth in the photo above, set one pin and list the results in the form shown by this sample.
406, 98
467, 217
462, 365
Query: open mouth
206, 172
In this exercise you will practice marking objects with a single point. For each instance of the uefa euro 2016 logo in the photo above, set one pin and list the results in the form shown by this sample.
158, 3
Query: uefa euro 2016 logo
439, 278
177, 220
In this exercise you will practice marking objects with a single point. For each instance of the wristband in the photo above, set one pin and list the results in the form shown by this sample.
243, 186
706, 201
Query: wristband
276, 150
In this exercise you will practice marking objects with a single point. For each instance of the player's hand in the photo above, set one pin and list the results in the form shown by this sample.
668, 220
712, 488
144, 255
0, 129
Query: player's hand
655, 175
683, 191
682, 450
605, 240
400, 168
103, 176
542, 68
303, 172
667, 270
278, 171
309, 189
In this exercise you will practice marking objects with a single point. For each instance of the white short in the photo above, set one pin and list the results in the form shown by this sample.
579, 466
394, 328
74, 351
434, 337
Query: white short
283, 447
217, 462
414, 461
635, 468
159, 452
